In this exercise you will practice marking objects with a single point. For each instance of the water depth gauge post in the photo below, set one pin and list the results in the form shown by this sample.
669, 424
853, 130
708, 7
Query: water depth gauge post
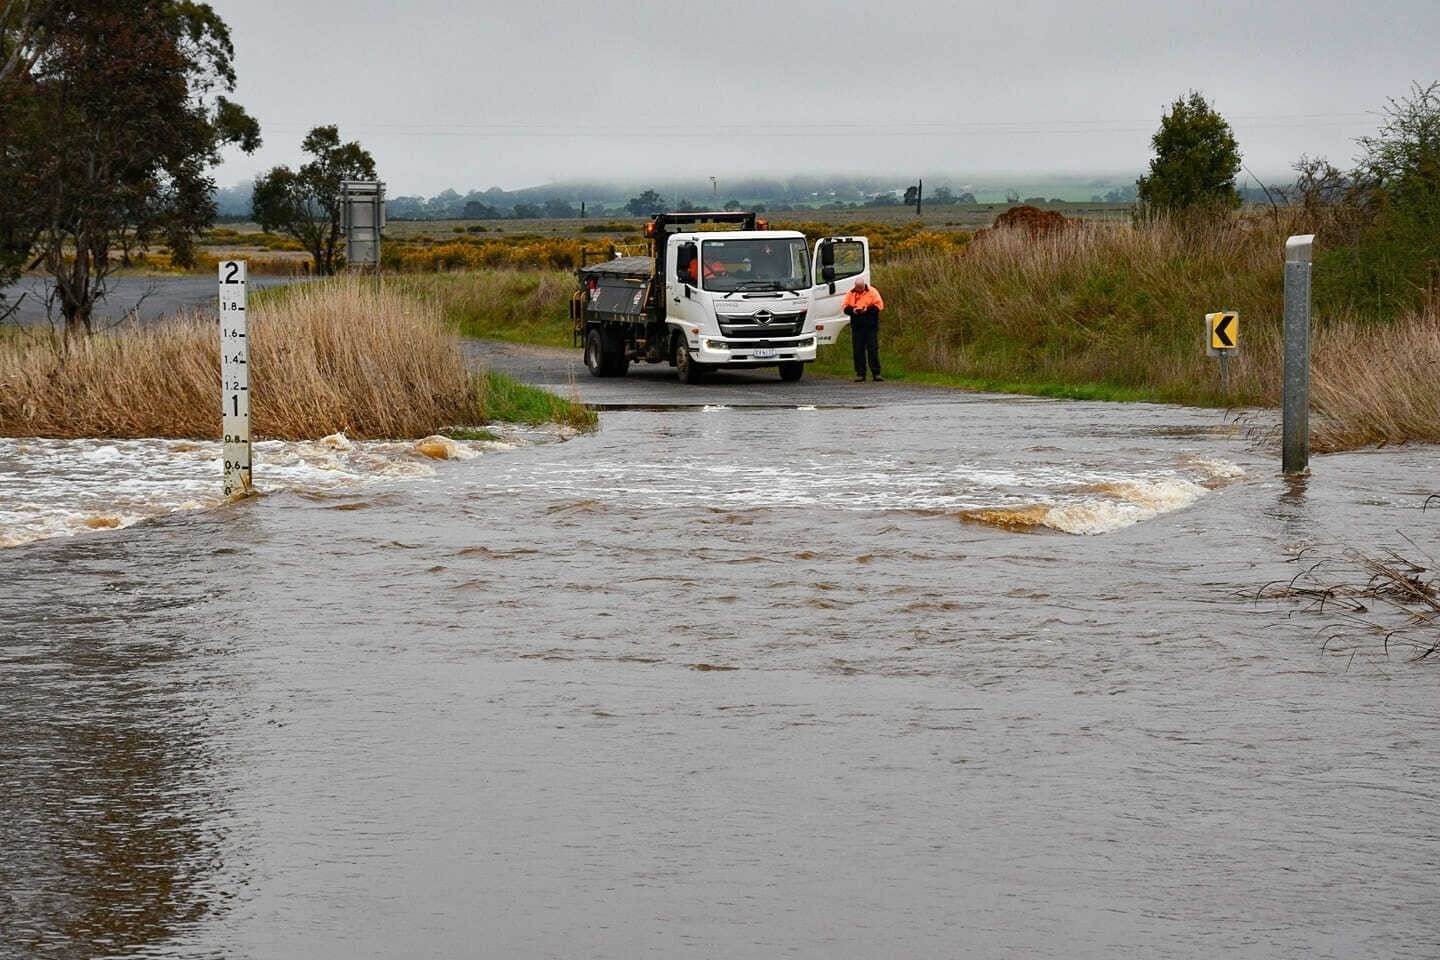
234, 379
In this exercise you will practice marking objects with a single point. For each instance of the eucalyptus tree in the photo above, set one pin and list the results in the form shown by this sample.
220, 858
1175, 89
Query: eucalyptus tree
305, 203
113, 125
20, 42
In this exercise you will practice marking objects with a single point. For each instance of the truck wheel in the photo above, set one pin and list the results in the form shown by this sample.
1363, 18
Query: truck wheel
791, 370
618, 362
685, 367
603, 361
595, 354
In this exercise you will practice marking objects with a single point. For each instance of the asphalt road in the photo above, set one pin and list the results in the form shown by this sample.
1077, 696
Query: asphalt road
562, 371
147, 298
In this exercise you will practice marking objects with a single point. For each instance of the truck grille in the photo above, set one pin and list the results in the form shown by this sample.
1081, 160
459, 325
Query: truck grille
762, 325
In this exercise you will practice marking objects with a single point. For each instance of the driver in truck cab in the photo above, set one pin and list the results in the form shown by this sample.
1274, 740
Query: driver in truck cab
713, 269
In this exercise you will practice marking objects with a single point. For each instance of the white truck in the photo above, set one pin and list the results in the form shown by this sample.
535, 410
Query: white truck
716, 299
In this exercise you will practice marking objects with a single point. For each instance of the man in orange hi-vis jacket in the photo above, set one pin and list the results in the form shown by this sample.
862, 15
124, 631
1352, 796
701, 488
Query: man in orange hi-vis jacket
863, 306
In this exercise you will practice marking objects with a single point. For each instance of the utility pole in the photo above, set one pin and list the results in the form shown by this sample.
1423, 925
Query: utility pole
714, 194
919, 192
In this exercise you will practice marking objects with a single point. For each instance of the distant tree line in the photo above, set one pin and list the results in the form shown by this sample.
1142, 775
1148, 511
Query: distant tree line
495, 204
599, 200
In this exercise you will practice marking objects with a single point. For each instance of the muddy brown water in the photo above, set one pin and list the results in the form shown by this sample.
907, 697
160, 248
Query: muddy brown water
942, 675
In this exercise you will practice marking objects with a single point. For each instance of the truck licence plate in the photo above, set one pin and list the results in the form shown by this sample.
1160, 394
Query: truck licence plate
762, 353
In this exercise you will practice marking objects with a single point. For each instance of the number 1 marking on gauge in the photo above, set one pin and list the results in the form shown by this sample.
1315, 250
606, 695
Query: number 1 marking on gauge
234, 379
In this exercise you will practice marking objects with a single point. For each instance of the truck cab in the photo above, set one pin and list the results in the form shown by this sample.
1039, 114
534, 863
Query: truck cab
719, 299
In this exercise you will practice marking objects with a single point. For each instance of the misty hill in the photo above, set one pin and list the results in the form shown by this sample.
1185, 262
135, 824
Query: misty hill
600, 198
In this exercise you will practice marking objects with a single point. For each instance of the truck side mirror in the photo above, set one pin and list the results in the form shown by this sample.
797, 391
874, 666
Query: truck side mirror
827, 262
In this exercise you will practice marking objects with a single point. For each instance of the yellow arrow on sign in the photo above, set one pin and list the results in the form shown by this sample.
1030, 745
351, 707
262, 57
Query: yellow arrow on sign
1224, 331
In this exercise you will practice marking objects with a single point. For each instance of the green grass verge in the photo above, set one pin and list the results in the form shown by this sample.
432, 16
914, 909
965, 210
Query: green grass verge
507, 399
835, 361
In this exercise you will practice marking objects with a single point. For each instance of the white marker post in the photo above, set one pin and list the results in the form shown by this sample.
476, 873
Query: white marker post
234, 378
1295, 418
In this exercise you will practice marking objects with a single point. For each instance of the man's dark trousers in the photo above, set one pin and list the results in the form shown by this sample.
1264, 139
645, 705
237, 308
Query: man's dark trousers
865, 341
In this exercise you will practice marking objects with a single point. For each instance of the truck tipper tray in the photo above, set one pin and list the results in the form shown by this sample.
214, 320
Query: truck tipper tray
638, 268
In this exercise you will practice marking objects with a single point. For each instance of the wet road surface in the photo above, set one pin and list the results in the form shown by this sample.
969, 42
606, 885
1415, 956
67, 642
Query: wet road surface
143, 298
773, 672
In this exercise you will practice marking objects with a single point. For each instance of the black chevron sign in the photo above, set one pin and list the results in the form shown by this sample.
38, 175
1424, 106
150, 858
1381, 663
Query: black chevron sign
1224, 331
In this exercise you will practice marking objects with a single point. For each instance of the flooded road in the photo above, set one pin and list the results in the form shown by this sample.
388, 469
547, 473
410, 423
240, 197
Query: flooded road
947, 675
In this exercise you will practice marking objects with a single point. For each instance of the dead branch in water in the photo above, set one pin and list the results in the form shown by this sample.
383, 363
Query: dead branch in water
1392, 584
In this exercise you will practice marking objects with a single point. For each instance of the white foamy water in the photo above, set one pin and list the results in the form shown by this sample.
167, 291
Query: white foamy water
1063, 497
51, 488
54, 488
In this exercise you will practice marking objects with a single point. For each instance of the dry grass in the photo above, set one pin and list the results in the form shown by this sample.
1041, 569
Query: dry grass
1122, 308
1093, 304
1375, 385
324, 358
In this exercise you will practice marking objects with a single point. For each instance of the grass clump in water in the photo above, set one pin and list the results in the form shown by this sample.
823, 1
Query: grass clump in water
504, 398
468, 433
1387, 595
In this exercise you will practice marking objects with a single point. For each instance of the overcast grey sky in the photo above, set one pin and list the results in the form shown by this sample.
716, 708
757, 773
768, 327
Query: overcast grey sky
480, 94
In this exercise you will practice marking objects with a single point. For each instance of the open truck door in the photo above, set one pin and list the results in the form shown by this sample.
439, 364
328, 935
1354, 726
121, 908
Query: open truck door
838, 262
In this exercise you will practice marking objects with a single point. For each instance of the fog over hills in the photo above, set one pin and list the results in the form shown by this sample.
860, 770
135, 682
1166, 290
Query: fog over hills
610, 197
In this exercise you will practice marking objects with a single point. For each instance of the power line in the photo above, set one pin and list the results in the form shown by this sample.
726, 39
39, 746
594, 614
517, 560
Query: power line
676, 130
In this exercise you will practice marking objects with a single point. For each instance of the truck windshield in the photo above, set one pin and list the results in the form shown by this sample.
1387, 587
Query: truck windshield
779, 263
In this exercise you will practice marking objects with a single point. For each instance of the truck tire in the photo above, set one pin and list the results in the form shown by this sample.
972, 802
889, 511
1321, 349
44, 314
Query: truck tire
594, 353
615, 356
602, 360
791, 370
685, 366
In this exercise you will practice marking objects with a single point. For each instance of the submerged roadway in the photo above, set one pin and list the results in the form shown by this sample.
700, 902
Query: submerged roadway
562, 371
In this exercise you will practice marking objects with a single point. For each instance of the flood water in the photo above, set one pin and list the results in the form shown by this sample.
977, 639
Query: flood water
976, 677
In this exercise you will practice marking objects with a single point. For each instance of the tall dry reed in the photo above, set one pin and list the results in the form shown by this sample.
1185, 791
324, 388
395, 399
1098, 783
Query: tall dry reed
325, 357
1373, 384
